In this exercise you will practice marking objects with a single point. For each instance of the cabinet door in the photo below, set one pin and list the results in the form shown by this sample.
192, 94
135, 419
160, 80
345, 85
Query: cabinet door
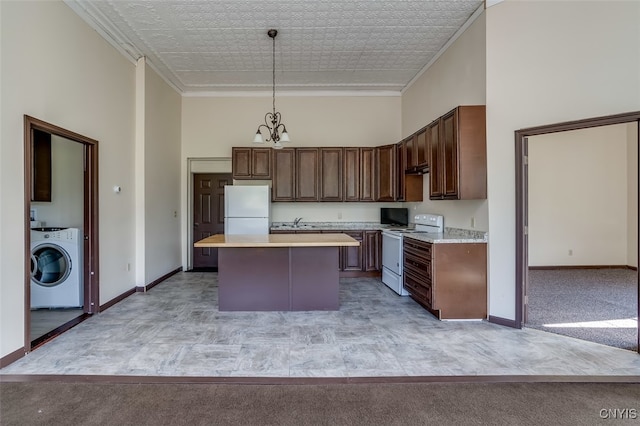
261, 163
331, 174
241, 163
401, 166
435, 165
351, 174
307, 174
284, 174
352, 256
386, 172
412, 154
373, 250
449, 135
41, 166
422, 151
367, 174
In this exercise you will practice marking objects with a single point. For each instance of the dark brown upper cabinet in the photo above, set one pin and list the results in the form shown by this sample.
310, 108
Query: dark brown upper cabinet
41, 166
458, 165
251, 163
409, 186
284, 174
368, 174
417, 150
386, 173
331, 174
351, 174
306, 185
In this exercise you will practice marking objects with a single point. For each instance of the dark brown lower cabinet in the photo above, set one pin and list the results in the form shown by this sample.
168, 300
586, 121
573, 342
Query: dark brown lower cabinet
364, 260
352, 257
449, 280
372, 251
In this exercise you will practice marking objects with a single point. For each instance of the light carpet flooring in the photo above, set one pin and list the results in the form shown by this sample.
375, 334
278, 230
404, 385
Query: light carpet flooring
598, 305
175, 329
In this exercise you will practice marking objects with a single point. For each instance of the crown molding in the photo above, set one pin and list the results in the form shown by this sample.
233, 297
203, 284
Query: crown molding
291, 94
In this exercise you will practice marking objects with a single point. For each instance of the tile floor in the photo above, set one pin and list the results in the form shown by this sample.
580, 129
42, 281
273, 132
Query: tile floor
45, 320
175, 329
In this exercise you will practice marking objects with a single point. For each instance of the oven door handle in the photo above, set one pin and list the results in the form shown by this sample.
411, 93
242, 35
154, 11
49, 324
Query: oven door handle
391, 235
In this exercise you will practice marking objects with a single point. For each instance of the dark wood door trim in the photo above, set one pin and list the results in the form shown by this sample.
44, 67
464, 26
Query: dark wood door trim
522, 192
91, 242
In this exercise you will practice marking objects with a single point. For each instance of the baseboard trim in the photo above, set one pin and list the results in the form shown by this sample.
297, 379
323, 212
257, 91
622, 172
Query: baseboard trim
12, 357
503, 321
117, 299
560, 267
158, 281
633, 268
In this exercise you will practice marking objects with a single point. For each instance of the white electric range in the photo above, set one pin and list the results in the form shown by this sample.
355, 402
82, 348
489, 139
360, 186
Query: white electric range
392, 248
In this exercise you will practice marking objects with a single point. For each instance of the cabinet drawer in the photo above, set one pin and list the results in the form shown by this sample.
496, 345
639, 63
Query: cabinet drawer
417, 248
418, 266
417, 287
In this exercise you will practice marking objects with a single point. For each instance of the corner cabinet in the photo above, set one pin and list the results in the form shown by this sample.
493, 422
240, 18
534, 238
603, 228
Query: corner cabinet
458, 160
251, 163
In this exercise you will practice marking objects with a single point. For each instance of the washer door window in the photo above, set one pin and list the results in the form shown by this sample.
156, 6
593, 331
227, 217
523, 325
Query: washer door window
50, 265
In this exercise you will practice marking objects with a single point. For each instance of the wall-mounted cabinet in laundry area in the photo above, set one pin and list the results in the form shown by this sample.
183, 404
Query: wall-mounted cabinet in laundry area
41, 166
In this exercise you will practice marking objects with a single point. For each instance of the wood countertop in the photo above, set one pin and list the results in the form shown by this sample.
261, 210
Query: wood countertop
278, 240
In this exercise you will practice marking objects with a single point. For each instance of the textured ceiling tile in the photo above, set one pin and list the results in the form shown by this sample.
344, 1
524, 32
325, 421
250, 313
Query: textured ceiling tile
343, 44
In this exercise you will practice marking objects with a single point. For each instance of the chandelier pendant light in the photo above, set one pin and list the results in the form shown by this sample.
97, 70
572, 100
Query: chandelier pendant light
276, 129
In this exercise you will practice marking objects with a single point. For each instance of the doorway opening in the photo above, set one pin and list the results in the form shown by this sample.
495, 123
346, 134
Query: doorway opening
61, 230
522, 204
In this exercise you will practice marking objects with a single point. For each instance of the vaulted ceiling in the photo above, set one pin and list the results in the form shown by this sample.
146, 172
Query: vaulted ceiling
213, 46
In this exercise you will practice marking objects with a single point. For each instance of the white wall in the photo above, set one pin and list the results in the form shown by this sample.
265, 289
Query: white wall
212, 125
632, 194
55, 68
548, 62
456, 78
161, 177
578, 197
66, 208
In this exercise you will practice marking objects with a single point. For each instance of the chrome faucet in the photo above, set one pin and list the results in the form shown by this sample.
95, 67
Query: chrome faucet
296, 221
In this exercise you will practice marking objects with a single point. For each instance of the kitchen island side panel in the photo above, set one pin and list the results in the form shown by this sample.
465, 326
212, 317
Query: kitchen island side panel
314, 279
253, 279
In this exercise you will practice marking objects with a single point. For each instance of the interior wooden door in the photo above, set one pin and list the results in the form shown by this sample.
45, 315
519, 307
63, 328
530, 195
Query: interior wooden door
208, 214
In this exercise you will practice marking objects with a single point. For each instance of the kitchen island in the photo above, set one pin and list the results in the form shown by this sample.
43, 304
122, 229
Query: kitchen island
278, 272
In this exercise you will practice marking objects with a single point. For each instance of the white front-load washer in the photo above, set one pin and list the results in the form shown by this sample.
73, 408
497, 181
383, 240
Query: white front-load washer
56, 268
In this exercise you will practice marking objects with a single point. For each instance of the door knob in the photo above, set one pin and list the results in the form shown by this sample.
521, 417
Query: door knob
196, 224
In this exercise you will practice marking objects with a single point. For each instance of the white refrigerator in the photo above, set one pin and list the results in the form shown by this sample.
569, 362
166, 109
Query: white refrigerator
247, 209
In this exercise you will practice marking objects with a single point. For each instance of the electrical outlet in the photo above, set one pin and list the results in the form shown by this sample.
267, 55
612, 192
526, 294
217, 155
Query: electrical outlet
570, 252
128, 266
473, 222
